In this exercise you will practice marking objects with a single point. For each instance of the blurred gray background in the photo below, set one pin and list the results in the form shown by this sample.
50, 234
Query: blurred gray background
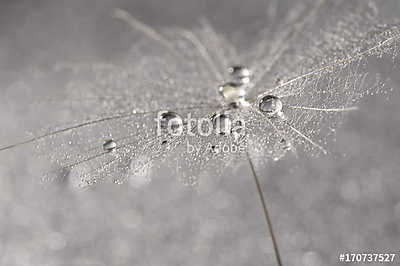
347, 202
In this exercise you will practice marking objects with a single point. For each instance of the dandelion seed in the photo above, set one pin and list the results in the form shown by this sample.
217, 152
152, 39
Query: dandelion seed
329, 82
307, 84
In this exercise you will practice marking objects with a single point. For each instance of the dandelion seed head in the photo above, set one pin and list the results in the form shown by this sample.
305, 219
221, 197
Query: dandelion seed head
322, 75
98, 122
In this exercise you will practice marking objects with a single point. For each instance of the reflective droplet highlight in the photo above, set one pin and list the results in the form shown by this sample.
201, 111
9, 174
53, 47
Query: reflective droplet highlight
222, 124
171, 121
271, 105
231, 92
109, 145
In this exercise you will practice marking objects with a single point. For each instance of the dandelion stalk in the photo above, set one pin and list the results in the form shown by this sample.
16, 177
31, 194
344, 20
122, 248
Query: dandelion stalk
265, 210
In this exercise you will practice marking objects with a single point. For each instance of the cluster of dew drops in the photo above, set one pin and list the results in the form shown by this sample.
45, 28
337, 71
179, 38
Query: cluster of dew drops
232, 95
236, 105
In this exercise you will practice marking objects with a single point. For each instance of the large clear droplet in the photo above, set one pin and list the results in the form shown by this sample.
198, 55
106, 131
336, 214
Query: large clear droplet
271, 105
171, 121
241, 75
222, 124
232, 92
109, 145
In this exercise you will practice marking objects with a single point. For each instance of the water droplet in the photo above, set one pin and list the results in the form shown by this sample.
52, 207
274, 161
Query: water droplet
109, 145
222, 124
271, 105
232, 93
171, 120
241, 75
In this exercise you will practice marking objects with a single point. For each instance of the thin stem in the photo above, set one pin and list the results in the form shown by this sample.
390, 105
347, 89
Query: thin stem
298, 28
343, 61
342, 109
266, 214
307, 138
221, 58
203, 52
145, 29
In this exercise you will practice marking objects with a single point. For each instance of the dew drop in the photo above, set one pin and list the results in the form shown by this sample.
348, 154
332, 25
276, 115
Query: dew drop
232, 93
271, 105
222, 124
171, 120
109, 145
241, 75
